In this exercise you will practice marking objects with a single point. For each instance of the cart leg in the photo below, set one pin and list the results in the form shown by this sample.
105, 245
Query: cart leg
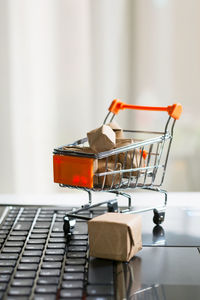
68, 225
159, 216
112, 206
90, 197
127, 196
165, 193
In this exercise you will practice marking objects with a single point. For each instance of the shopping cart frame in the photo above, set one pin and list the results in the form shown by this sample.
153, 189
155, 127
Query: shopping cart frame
125, 182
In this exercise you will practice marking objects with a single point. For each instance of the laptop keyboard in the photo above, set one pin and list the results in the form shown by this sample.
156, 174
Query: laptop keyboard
37, 262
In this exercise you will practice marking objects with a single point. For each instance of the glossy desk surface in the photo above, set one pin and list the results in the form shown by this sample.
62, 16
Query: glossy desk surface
168, 266
181, 228
161, 273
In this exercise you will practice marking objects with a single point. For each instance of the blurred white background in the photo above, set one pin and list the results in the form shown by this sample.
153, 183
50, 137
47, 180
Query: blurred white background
63, 62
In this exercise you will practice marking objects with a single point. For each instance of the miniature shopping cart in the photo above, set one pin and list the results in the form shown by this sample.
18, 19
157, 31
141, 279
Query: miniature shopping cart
142, 165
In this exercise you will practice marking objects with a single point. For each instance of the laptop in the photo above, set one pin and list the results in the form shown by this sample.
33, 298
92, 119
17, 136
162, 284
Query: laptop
38, 261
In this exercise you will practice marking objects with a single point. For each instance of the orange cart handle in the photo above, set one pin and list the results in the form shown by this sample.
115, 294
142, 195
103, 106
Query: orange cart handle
173, 110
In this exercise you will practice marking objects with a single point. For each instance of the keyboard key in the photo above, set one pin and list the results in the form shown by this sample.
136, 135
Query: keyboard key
73, 276
29, 211
17, 238
7, 227
56, 246
46, 289
79, 237
78, 243
55, 251
34, 247
42, 225
48, 280
27, 259
100, 271
11, 250
32, 253
46, 219
7, 263
102, 298
100, 290
80, 228
3, 286
53, 258
77, 248
4, 278
14, 244
72, 284
3, 236
49, 272
26, 219
36, 241
45, 214
17, 298
7, 223
1, 241
6, 270
57, 240
25, 274
72, 268
22, 226
29, 214
57, 234
76, 254
9, 256
63, 211
38, 236
71, 293
5, 232
18, 291
77, 261
57, 227
19, 233
40, 231
27, 267
22, 282
44, 297
51, 265
47, 211
59, 219
60, 215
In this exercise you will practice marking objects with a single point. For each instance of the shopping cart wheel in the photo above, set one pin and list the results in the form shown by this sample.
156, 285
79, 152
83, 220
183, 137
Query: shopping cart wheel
112, 206
159, 216
68, 225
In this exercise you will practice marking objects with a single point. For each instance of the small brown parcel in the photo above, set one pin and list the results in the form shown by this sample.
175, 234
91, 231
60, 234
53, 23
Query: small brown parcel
117, 129
115, 236
101, 139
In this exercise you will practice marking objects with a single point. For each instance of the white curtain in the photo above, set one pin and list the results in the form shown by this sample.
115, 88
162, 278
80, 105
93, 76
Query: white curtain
62, 63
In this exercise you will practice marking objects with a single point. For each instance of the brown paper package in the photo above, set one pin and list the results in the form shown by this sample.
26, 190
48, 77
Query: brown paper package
101, 139
117, 129
110, 180
131, 159
115, 236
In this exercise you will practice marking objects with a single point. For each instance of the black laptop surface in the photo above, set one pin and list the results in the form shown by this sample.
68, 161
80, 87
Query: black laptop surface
38, 261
